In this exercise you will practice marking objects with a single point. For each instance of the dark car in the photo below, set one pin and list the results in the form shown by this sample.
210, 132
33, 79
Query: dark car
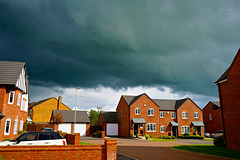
36, 138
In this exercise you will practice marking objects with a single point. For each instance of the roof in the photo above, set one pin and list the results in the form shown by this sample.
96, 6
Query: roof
223, 76
131, 99
216, 103
10, 72
198, 123
68, 116
39, 102
174, 124
165, 104
110, 117
139, 120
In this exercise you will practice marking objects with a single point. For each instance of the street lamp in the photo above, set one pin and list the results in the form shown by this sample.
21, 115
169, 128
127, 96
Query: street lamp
75, 116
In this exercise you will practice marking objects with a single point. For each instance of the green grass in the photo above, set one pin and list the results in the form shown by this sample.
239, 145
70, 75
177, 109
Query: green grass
161, 140
208, 139
84, 143
211, 150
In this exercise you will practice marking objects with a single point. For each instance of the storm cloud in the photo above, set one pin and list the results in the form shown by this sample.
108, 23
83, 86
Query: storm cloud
184, 45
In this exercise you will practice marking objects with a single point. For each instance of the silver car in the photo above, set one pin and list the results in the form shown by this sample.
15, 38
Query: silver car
216, 134
36, 138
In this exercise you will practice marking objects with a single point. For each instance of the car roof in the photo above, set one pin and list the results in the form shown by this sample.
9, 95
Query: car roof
42, 132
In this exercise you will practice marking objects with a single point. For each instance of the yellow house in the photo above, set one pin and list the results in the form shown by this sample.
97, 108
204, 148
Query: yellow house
41, 111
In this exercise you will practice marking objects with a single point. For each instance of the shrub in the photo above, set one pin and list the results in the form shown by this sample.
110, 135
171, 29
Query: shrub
186, 134
147, 136
151, 136
173, 137
21, 132
137, 134
218, 141
131, 135
6, 140
96, 135
166, 137
190, 136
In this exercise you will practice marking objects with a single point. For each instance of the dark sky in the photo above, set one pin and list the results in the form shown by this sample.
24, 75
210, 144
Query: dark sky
184, 45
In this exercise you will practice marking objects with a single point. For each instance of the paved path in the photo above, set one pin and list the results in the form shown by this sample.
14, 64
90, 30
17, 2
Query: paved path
145, 150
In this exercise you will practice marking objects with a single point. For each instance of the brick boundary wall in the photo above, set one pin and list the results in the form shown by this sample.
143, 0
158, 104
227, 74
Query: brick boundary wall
71, 152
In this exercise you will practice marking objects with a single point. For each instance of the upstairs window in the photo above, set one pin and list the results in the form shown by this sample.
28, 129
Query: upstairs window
173, 115
161, 114
210, 116
137, 111
195, 114
121, 113
150, 112
19, 99
11, 97
184, 115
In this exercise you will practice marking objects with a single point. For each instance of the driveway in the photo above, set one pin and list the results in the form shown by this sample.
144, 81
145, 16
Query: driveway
129, 149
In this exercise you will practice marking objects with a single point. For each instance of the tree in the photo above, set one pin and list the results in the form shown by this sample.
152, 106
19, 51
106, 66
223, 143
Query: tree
58, 118
94, 115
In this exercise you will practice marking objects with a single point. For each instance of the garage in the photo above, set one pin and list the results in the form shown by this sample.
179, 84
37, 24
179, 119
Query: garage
65, 127
112, 129
81, 128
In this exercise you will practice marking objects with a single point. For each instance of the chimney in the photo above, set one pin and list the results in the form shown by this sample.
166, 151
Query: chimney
59, 102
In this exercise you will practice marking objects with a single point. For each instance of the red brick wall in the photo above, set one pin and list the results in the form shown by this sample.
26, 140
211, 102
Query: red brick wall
190, 108
216, 123
229, 94
125, 118
73, 139
11, 111
144, 100
166, 122
93, 152
87, 129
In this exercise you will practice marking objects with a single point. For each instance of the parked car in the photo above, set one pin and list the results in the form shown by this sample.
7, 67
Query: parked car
36, 138
48, 129
206, 134
216, 134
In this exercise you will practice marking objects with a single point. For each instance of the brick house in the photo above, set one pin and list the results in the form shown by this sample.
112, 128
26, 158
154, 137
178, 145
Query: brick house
110, 123
13, 98
82, 122
143, 115
212, 117
229, 95
41, 111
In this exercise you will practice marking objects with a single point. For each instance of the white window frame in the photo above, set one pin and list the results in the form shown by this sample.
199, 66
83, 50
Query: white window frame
15, 126
137, 111
9, 129
19, 99
210, 117
151, 127
185, 129
151, 113
11, 92
196, 115
162, 114
173, 113
184, 115
162, 129
21, 125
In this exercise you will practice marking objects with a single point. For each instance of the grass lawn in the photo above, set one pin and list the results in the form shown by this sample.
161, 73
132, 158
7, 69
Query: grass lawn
208, 139
84, 143
161, 140
211, 150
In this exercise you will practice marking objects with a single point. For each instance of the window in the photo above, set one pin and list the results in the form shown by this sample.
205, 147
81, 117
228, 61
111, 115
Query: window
150, 112
121, 113
141, 125
151, 127
161, 114
7, 126
21, 126
24, 105
195, 114
43, 136
162, 129
185, 129
15, 126
137, 111
210, 116
11, 97
19, 99
30, 111
173, 115
184, 115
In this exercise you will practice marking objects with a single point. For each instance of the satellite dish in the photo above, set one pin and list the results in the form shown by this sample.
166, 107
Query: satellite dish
215, 107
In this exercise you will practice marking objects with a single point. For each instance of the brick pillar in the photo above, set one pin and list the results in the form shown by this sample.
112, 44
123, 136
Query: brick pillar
72, 128
77, 139
111, 149
55, 127
102, 134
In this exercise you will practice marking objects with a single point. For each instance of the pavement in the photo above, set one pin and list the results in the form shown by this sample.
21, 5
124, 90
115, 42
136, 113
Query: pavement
130, 149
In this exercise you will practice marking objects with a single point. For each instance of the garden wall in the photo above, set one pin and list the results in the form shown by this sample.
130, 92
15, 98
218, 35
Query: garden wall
71, 152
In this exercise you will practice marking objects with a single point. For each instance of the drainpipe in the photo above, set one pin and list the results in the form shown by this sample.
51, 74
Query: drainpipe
220, 95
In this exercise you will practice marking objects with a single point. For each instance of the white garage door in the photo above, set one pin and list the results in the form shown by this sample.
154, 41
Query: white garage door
112, 129
65, 127
81, 128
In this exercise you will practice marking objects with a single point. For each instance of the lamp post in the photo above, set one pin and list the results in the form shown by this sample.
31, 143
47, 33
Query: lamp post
75, 115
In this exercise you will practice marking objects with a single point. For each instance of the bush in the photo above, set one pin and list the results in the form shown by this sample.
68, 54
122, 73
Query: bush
166, 137
96, 135
218, 141
187, 136
151, 136
6, 140
137, 134
147, 136
21, 132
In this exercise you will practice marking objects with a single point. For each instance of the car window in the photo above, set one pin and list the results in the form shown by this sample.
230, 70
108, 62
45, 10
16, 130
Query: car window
28, 137
43, 136
55, 136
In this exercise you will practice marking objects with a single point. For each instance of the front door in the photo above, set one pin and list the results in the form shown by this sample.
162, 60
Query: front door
135, 129
174, 131
199, 131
